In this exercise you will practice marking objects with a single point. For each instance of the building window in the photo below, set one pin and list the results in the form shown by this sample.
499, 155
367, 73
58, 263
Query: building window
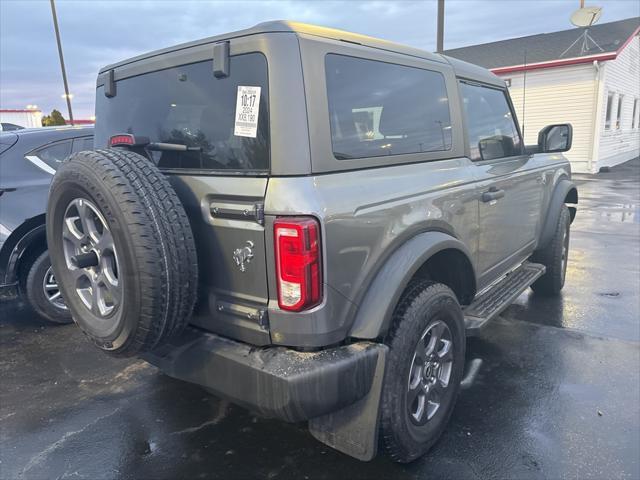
607, 123
619, 112
635, 116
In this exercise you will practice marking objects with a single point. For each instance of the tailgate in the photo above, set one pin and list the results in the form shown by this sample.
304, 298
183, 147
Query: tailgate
226, 215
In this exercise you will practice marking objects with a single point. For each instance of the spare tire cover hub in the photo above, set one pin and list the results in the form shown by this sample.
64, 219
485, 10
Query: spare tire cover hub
85, 232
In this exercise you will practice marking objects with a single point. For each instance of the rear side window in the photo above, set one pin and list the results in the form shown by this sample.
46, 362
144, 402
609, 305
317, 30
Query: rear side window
188, 105
490, 123
54, 154
379, 109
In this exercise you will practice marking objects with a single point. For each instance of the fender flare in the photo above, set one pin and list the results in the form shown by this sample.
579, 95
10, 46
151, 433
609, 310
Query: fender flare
373, 316
562, 189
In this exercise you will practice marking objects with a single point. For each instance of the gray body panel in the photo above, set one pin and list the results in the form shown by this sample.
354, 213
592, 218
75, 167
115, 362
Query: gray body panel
380, 218
365, 216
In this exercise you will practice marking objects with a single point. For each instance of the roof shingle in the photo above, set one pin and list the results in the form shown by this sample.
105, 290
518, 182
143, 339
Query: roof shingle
547, 47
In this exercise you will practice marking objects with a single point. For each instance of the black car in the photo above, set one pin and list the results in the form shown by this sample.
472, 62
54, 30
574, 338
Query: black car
28, 160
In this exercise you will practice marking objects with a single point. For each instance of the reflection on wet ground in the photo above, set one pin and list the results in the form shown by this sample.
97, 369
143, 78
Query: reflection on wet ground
601, 295
542, 402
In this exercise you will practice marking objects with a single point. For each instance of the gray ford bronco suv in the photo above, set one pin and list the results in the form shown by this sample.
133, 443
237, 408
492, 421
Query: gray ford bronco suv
308, 222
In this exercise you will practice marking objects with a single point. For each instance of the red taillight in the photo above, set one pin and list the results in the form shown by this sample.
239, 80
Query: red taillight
298, 262
121, 140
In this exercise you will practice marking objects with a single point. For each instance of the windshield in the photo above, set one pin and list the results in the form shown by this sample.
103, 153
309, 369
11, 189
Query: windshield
225, 120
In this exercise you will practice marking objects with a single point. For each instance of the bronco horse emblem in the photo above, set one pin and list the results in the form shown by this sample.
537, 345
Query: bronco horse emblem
243, 256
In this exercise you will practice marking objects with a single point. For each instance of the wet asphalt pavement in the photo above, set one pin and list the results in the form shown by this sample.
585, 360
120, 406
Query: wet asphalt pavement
556, 392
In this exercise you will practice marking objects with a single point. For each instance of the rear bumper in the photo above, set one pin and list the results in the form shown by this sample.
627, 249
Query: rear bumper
275, 381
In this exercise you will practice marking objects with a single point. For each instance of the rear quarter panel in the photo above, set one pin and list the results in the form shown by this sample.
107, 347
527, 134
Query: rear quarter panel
365, 216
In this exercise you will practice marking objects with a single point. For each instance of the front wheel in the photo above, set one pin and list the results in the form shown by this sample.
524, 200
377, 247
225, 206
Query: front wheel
554, 257
424, 370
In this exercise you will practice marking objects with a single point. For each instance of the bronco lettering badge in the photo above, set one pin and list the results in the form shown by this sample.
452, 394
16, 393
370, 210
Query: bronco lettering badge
243, 256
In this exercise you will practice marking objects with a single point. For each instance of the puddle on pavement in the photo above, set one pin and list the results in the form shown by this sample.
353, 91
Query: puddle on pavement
620, 213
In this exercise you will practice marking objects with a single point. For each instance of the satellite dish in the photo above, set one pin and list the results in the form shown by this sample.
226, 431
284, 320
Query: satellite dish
586, 16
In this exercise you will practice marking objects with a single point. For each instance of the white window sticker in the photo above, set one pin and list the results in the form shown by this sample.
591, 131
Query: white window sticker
247, 105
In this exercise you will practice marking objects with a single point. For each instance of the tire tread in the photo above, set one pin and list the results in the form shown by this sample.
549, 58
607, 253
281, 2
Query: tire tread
399, 337
163, 242
551, 257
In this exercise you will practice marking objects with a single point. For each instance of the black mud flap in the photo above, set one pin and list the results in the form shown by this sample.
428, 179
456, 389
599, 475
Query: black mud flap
354, 429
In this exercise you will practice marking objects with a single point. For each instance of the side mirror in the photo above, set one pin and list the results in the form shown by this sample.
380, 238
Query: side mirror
498, 146
555, 138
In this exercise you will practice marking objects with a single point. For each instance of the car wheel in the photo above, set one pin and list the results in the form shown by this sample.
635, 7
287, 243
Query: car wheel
44, 293
424, 369
122, 250
554, 257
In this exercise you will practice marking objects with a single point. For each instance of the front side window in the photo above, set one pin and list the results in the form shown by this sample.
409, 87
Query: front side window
188, 105
379, 109
53, 154
492, 130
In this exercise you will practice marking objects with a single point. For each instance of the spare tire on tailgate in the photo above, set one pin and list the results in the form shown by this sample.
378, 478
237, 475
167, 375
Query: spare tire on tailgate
122, 250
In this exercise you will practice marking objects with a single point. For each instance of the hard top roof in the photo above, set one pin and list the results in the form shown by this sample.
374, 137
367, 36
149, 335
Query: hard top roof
306, 29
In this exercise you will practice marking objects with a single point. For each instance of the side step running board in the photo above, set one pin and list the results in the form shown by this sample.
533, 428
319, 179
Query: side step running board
492, 302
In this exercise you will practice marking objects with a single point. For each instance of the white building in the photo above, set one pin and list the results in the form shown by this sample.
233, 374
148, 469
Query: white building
29, 118
597, 90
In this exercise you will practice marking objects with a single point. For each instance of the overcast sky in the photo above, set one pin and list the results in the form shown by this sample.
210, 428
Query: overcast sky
96, 33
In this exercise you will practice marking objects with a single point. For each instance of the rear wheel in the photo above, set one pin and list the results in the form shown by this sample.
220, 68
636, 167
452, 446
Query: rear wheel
44, 293
122, 250
424, 370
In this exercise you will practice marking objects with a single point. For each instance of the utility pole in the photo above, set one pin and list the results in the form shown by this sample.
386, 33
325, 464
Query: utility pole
440, 47
64, 72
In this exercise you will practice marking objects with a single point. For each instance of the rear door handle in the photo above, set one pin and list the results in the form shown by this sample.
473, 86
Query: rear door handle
492, 194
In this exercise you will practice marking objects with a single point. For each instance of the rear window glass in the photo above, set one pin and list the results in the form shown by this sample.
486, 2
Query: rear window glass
381, 109
188, 105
